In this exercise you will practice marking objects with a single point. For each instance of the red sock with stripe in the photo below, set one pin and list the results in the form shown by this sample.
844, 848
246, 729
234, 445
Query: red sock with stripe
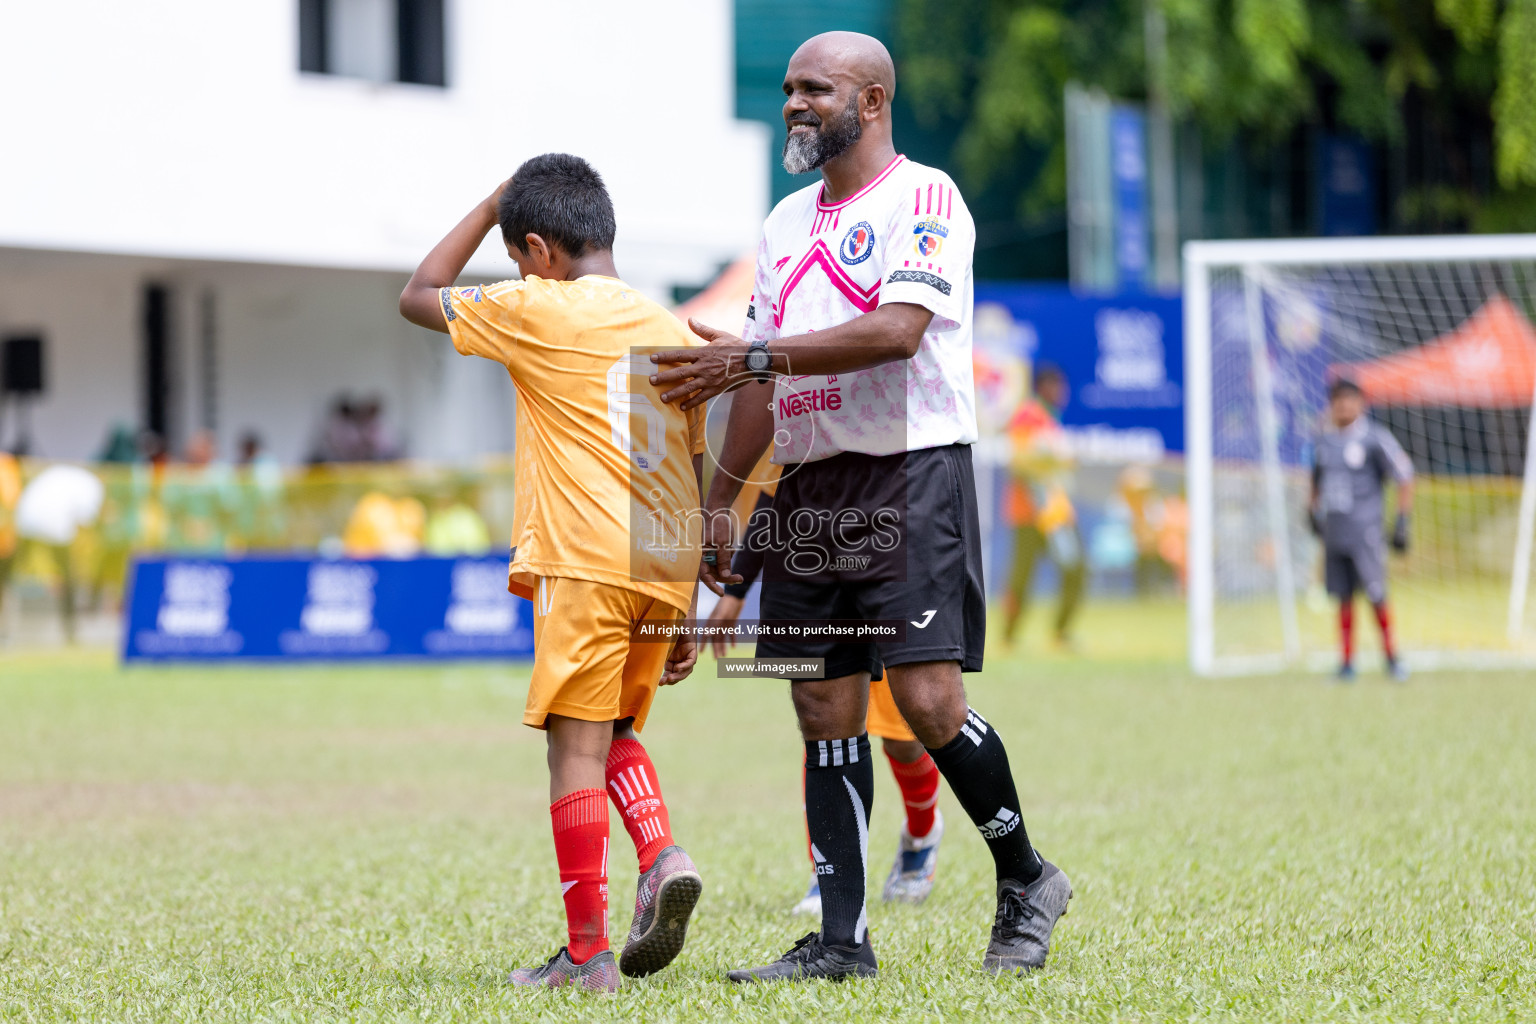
580, 821
919, 783
1384, 620
635, 790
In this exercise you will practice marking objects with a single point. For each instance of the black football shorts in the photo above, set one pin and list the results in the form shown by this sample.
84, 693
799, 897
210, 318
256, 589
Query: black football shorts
894, 538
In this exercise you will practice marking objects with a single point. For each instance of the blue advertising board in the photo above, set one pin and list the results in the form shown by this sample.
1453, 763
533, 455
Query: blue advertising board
1128, 173
1123, 356
187, 608
1346, 178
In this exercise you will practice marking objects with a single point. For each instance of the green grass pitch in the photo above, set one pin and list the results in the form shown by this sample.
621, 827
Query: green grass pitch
373, 844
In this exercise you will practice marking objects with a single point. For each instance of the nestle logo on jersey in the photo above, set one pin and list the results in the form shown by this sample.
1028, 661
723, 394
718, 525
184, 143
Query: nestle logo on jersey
829, 399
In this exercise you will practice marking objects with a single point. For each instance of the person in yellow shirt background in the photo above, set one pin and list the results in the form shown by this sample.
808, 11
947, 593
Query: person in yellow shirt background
454, 527
384, 527
1039, 508
10, 494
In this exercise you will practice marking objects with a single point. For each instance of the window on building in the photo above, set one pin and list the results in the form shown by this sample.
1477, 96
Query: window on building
376, 40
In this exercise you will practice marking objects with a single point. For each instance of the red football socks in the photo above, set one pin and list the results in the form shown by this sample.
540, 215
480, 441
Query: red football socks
580, 820
1347, 630
919, 782
1384, 620
636, 792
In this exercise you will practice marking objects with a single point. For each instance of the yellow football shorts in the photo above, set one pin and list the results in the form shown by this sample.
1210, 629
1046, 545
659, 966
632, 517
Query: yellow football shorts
883, 719
584, 663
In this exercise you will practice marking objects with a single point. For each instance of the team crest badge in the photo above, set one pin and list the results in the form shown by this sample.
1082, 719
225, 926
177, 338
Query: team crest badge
930, 235
857, 244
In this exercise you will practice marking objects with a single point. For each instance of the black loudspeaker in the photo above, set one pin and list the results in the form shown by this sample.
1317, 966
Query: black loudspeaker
21, 365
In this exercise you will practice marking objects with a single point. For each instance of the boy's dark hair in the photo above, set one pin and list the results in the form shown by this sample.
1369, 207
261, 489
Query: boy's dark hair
560, 198
1344, 386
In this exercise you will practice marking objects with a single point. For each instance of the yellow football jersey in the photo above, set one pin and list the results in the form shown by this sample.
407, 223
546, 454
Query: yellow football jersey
605, 487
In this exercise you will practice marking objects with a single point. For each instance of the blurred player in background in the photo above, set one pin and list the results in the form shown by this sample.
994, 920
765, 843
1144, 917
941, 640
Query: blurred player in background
917, 847
570, 333
53, 508
1351, 467
10, 493
1039, 508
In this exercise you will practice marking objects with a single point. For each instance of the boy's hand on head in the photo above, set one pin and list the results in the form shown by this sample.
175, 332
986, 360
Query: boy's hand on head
685, 654
421, 301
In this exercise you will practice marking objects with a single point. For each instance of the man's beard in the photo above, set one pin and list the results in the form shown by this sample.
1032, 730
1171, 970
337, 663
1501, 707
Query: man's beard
810, 150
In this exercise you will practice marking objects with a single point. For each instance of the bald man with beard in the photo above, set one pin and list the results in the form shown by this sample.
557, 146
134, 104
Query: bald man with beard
855, 365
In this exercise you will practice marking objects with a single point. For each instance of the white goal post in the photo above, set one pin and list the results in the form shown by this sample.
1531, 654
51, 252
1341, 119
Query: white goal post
1438, 332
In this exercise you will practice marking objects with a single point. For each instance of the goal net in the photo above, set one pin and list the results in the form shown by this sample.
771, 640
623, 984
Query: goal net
1438, 333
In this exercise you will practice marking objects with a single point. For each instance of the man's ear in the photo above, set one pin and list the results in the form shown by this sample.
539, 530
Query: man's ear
872, 101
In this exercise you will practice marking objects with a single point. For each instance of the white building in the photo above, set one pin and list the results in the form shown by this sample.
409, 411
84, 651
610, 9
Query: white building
206, 235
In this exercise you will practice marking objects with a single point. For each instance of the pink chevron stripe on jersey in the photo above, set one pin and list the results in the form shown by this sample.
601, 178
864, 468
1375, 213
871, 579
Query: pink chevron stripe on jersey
864, 301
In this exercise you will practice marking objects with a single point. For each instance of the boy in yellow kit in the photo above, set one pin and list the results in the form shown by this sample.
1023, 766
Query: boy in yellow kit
605, 535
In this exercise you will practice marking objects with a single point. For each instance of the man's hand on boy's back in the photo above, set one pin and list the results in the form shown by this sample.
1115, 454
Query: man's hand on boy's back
685, 653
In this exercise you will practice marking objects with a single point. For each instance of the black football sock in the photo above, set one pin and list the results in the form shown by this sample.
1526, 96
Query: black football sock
839, 789
975, 765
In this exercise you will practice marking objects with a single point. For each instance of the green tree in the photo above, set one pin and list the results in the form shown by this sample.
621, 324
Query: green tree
1457, 77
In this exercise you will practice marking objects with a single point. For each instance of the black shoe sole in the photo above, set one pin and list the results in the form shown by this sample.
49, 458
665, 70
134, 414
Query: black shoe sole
675, 899
749, 978
845, 969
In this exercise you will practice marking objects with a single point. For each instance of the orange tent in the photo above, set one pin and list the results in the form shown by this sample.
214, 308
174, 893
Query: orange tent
724, 303
1489, 362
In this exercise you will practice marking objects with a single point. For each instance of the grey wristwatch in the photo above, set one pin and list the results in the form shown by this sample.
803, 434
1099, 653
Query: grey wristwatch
759, 360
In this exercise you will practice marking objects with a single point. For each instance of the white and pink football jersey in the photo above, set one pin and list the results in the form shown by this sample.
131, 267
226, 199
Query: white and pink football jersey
905, 237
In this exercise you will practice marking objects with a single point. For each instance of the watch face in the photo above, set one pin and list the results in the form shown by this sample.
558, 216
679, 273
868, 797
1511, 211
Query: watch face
758, 360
